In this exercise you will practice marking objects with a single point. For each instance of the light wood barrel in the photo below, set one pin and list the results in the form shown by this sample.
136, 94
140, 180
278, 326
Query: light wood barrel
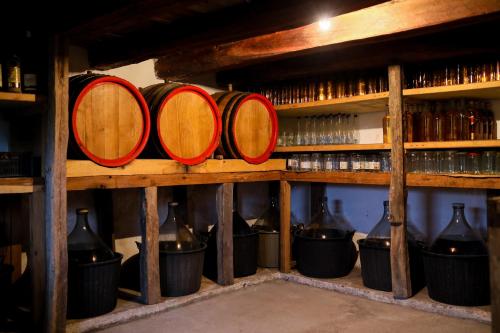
187, 123
249, 126
109, 120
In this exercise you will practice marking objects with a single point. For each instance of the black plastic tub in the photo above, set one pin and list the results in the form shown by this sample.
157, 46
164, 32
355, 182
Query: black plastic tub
180, 272
376, 266
5, 289
245, 251
325, 258
93, 288
457, 279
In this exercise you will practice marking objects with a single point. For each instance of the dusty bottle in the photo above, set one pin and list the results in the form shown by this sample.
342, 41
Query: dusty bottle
84, 246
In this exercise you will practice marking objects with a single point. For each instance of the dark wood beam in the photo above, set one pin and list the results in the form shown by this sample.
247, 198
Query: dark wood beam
389, 19
460, 42
230, 24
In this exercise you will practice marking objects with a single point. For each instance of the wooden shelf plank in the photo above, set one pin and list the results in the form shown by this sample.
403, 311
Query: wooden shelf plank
20, 185
486, 90
110, 182
79, 168
17, 97
454, 181
453, 144
354, 104
326, 148
355, 178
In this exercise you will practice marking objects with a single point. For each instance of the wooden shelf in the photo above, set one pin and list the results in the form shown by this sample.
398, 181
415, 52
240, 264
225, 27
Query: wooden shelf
20, 185
8, 99
484, 90
454, 181
355, 178
355, 104
453, 144
327, 148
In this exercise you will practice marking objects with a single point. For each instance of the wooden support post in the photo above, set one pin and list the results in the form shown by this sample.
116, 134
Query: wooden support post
224, 199
494, 251
37, 257
150, 260
54, 170
285, 208
400, 267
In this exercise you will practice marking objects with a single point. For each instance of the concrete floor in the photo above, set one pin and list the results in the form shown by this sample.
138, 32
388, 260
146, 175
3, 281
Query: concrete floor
280, 306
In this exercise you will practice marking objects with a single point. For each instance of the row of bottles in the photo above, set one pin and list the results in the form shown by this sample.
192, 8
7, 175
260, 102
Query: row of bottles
450, 120
18, 71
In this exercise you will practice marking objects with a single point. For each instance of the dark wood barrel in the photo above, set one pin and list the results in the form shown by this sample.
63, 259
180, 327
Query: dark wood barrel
249, 126
109, 120
186, 123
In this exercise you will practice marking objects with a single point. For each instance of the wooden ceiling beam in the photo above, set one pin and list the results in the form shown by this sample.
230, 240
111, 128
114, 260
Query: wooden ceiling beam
380, 22
230, 24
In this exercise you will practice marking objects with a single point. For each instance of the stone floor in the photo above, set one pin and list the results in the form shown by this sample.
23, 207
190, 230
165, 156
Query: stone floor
281, 306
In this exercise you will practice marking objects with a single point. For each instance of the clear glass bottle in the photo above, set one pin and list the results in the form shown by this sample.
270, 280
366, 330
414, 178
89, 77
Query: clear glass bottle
316, 162
174, 235
343, 162
488, 162
84, 246
438, 123
473, 163
305, 162
328, 162
458, 238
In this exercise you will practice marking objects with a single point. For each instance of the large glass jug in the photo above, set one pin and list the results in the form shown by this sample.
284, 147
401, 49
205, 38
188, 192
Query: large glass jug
84, 246
270, 220
458, 238
324, 225
174, 235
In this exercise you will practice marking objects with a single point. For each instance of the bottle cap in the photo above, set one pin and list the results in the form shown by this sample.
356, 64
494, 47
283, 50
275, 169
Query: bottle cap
81, 211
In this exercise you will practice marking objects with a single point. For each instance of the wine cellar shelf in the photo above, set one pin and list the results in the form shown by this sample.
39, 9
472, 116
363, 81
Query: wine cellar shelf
378, 102
9, 100
326, 148
20, 185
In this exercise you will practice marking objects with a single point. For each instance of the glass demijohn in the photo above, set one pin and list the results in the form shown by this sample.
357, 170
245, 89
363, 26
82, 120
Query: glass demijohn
270, 220
174, 235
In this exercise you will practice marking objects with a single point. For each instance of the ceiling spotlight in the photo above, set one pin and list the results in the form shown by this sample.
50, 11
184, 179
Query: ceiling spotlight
324, 24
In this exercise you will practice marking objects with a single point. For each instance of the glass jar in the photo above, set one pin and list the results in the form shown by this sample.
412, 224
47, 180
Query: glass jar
293, 163
460, 162
385, 161
375, 163
413, 161
474, 163
343, 161
488, 162
316, 162
328, 162
447, 162
305, 162
356, 162
429, 162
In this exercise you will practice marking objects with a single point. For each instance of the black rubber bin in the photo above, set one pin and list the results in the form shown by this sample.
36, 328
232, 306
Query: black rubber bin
325, 258
245, 251
376, 266
180, 272
93, 287
457, 279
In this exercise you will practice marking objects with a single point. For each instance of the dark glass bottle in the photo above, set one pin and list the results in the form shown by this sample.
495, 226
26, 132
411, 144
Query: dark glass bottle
29, 73
324, 225
270, 219
84, 246
13, 73
174, 235
458, 238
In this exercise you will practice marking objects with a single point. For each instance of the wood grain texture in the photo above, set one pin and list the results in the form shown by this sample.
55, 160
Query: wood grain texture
326, 148
252, 128
109, 121
54, 170
453, 144
485, 90
37, 256
494, 251
20, 185
224, 203
149, 257
393, 17
285, 241
400, 267
16, 97
187, 124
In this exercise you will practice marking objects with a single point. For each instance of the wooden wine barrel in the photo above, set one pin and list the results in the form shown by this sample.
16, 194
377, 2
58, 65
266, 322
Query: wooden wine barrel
109, 120
187, 123
249, 126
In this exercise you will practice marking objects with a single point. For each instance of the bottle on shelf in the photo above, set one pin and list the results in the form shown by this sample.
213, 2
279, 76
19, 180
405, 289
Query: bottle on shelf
29, 73
386, 123
438, 123
13, 73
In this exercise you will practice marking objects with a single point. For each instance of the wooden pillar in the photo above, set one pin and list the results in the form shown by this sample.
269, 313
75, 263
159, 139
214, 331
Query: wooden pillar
400, 268
494, 251
37, 256
224, 203
54, 171
149, 259
285, 208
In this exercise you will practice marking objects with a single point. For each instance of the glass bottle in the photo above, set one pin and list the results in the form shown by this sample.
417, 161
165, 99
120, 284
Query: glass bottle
174, 235
438, 123
458, 238
386, 123
321, 91
13, 73
316, 162
329, 90
408, 120
29, 74
463, 122
355, 128
84, 246
270, 220
340, 222
427, 122
451, 122
324, 225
